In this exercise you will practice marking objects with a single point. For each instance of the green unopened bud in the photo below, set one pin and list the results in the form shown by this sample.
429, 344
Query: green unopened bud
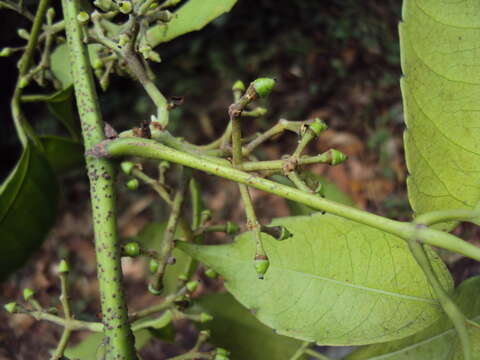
131, 249
63, 267
337, 157
261, 266
182, 277
263, 86
127, 167
23, 82
154, 56
123, 39
97, 64
105, 5
83, 17
11, 307
238, 86
132, 184
278, 232
50, 13
28, 293
165, 16
206, 215
24, 34
205, 317
222, 351
232, 228
145, 51
6, 52
125, 7
104, 82
191, 286
153, 266
317, 126
212, 274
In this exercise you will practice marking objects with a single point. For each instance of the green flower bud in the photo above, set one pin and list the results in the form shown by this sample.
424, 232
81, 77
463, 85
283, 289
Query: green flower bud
145, 51
28, 293
182, 277
83, 17
191, 286
123, 39
50, 13
104, 82
125, 7
206, 215
205, 317
278, 232
63, 267
222, 351
165, 16
232, 228
23, 34
154, 56
131, 249
6, 52
212, 274
10, 307
153, 266
261, 266
105, 5
23, 82
263, 86
127, 167
337, 157
317, 126
238, 86
132, 184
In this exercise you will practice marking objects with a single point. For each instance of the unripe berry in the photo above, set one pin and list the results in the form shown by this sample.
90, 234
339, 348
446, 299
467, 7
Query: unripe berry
263, 86
317, 126
126, 7
337, 157
127, 167
10, 307
132, 184
261, 267
191, 286
83, 17
63, 267
131, 249
238, 86
212, 274
153, 266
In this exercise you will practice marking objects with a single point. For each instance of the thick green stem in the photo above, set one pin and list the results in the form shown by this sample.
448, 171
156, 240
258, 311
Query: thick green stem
452, 311
119, 339
150, 149
436, 217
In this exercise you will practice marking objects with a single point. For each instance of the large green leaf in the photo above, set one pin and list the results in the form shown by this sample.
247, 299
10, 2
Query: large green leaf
192, 16
151, 237
62, 153
28, 204
437, 342
441, 87
334, 282
234, 328
60, 104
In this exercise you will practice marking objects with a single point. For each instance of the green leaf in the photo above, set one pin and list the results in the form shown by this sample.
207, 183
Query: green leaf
192, 16
234, 328
93, 348
151, 237
63, 154
60, 104
439, 341
441, 87
28, 205
334, 282
330, 191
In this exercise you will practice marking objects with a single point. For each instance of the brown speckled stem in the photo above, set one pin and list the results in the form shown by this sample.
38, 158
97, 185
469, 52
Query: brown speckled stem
118, 340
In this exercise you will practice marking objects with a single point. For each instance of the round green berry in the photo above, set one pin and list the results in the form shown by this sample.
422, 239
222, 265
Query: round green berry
191, 286
131, 249
83, 17
212, 274
263, 86
238, 86
261, 267
153, 266
132, 184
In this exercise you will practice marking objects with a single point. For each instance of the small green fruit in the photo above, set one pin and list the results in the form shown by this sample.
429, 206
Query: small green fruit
238, 86
205, 215
132, 184
97, 63
23, 34
105, 5
212, 274
264, 86
127, 167
261, 267
28, 293
317, 126
131, 249
153, 266
123, 39
205, 317
63, 267
125, 7
83, 17
337, 157
191, 286
6, 52
154, 56
10, 307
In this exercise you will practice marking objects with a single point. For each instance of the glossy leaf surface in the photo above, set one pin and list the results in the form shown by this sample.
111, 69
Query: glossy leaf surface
441, 86
234, 328
334, 282
28, 205
192, 16
439, 341
62, 153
